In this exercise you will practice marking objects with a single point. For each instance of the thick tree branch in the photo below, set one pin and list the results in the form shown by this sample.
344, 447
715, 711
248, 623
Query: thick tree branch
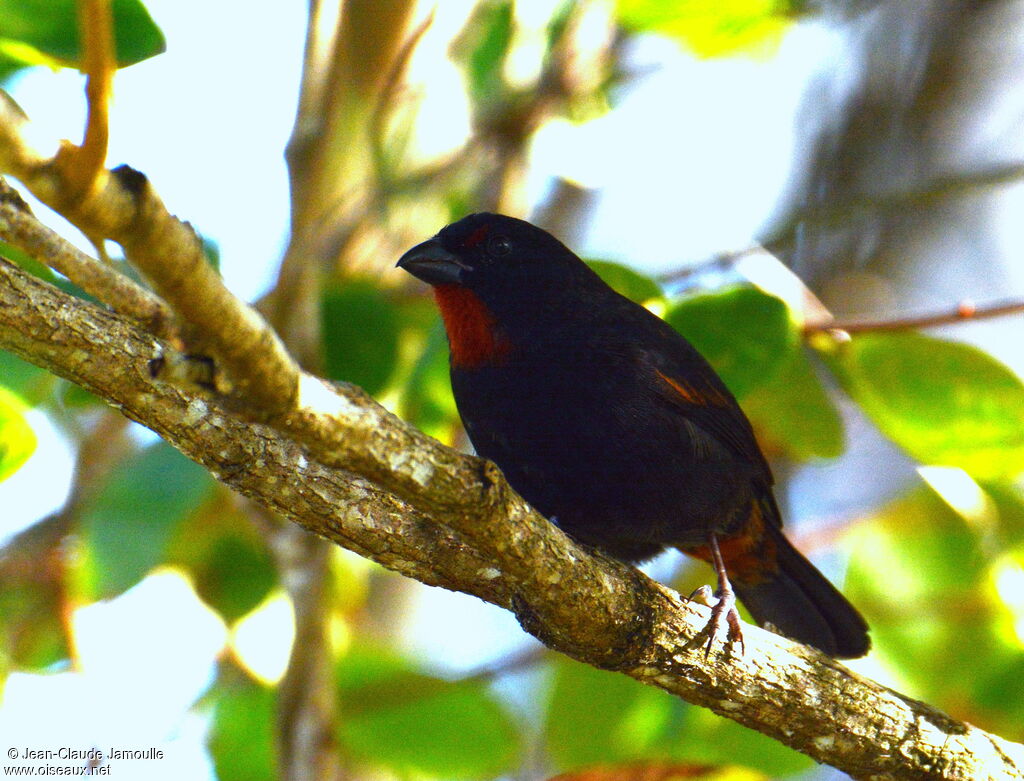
343, 467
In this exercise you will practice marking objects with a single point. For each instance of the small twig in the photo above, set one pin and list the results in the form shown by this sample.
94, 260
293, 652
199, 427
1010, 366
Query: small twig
20, 228
385, 99
895, 202
82, 165
965, 310
718, 262
122, 206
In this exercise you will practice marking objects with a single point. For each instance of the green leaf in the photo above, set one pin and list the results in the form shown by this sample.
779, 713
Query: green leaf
242, 732
943, 402
31, 383
235, 576
592, 716
45, 32
596, 717
711, 28
922, 575
746, 334
359, 327
793, 412
414, 724
626, 281
427, 401
483, 47
127, 525
17, 439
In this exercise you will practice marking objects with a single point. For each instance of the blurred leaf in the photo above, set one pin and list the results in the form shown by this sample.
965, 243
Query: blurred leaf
427, 401
211, 251
126, 526
588, 712
794, 413
32, 634
922, 576
711, 28
219, 546
746, 334
416, 724
626, 281
482, 48
359, 329
45, 32
241, 735
17, 439
945, 403
28, 381
596, 717
697, 735
235, 576
1009, 503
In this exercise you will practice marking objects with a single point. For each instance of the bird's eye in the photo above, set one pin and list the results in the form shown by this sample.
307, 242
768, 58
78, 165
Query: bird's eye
499, 245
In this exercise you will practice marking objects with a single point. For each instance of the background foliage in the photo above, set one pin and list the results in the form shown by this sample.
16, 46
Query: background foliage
936, 564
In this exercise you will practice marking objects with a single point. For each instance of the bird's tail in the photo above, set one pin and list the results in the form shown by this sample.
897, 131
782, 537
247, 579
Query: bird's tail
800, 601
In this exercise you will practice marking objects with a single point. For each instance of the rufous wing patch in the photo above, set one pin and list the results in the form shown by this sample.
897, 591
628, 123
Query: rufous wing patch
688, 393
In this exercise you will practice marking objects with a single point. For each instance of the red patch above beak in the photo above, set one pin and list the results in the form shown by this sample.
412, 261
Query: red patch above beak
476, 236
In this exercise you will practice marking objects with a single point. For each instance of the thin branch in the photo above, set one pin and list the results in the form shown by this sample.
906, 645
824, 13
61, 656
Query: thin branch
965, 310
125, 208
390, 493
20, 228
898, 201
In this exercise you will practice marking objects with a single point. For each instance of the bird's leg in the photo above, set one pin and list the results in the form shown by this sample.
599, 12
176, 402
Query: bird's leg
723, 608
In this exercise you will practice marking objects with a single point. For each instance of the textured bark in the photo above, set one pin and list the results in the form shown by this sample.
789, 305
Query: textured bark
343, 467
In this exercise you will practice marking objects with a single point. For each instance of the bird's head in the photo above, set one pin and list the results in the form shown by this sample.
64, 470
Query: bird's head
495, 278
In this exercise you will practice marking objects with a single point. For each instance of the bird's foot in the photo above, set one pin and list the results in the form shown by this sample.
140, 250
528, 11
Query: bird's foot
724, 615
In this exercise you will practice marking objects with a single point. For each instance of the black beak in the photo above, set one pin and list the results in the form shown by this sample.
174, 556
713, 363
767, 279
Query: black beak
433, 264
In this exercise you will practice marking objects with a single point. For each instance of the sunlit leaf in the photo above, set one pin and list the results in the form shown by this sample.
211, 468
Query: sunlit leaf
712, 28
416, 724
127, 525
483, 47
921, 574
793, 413
624, 280
359, 329
17, 439
242, 733
45, 32
945, 403
746, 334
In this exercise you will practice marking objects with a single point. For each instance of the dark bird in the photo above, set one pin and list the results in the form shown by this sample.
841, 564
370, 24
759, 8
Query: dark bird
613, 426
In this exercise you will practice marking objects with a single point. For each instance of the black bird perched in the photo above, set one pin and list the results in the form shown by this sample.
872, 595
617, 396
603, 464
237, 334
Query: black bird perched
611, 424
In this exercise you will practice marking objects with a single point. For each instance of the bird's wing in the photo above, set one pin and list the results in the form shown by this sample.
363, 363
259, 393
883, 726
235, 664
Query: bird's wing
687, 383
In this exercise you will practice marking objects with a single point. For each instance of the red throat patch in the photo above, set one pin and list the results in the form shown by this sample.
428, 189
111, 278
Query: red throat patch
472, 332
